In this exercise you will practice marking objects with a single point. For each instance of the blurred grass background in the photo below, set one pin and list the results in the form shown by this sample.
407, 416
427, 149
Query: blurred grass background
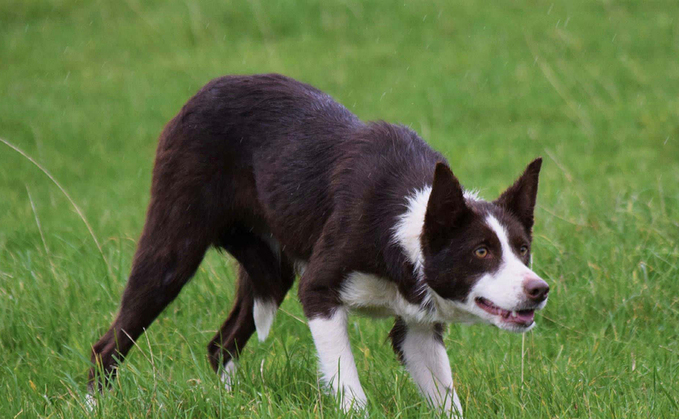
593, 86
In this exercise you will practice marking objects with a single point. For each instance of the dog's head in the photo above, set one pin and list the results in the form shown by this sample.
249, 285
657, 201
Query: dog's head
477, 254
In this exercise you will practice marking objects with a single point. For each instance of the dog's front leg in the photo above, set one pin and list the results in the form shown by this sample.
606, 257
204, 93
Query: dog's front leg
420, 348
336, 359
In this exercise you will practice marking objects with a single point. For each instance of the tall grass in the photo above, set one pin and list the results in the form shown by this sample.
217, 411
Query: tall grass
85, 88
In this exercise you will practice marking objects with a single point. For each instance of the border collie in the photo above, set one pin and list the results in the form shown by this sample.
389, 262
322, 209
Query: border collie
289, 182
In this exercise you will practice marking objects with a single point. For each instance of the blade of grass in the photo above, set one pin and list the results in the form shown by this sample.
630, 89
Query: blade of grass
66, 194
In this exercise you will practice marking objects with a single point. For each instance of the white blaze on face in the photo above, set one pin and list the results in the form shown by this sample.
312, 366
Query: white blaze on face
504, 287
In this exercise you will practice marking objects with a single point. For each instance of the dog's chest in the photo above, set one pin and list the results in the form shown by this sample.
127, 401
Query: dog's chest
377, 297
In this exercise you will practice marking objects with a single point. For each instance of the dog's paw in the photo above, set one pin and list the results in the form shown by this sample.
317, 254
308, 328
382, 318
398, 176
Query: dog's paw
90, 403
355, 405
455, 411
229, 375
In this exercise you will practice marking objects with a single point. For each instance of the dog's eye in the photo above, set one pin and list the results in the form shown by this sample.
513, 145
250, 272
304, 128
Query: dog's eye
523, 250
481, 252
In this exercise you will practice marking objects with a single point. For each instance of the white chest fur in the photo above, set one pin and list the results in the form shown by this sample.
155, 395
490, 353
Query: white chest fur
378, 297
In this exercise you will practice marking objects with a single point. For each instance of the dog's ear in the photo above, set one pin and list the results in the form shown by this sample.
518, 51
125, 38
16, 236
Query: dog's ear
519, 199
446, 208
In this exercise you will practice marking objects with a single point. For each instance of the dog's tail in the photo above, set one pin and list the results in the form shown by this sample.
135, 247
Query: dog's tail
264, 312
264, 279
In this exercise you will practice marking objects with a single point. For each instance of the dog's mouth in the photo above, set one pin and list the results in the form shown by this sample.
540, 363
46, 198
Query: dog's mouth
523, 318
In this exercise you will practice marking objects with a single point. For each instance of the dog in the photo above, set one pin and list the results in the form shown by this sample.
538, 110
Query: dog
290, 183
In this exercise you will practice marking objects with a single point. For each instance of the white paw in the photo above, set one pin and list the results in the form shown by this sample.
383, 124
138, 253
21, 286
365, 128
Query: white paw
90, 402
450, 406
354, 402
229, 375
455, 411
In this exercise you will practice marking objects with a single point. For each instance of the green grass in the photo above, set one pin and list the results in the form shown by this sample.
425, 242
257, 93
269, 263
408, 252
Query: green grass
593, 86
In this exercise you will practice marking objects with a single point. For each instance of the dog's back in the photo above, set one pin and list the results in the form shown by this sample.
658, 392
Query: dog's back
282, 155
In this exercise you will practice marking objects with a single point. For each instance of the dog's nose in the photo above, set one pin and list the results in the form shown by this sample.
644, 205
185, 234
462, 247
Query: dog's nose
536, 289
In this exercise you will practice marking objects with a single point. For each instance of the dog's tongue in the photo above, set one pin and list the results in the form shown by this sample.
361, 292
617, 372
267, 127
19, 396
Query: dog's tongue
525, 316
522, 317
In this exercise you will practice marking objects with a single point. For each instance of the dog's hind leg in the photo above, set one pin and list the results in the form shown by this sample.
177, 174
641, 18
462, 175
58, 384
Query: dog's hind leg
264, 278
177, 233
160, 269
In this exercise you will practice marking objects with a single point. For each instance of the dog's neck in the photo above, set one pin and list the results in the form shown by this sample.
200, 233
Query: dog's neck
408, 229
407, 232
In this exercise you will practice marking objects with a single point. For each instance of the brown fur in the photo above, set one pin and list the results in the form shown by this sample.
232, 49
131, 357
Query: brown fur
274, 171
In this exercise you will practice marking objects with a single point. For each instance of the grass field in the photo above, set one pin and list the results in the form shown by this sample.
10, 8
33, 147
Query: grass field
593, 86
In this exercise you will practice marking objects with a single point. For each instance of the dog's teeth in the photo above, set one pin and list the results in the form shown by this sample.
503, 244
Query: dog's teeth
513, 313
